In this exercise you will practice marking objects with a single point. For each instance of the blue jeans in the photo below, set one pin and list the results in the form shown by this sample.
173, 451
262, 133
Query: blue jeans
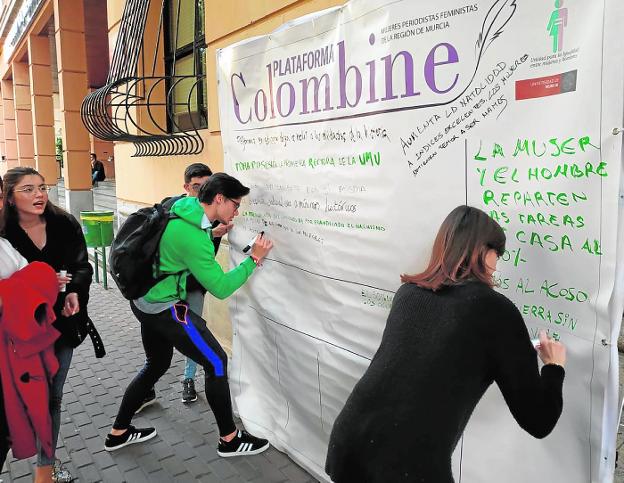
64, 355
190, 368
196, 304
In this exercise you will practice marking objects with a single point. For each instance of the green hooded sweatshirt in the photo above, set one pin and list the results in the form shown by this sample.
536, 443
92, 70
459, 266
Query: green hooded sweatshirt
186, 247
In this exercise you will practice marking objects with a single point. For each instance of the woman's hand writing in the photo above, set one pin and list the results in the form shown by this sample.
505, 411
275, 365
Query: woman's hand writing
551, 351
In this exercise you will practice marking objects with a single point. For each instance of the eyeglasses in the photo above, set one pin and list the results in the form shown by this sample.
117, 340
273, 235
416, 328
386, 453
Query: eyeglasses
29, 189
236, 203
195, 187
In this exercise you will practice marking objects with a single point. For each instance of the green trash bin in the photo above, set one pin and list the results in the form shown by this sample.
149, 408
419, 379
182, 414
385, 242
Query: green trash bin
97, 227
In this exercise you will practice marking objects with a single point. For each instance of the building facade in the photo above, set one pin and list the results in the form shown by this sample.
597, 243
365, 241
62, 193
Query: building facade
53, 53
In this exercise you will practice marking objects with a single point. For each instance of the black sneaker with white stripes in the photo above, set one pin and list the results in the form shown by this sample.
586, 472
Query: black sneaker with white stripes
242, 444
131, 436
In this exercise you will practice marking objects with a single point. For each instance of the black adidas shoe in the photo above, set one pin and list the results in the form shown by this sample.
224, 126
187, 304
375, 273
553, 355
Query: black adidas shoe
242, 444
131, 436
148, 401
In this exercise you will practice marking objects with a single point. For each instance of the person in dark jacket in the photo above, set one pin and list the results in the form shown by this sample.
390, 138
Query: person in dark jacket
41, 231
97, 170
448, 337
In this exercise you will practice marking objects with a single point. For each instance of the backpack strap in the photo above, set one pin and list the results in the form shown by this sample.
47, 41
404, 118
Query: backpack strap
162, 276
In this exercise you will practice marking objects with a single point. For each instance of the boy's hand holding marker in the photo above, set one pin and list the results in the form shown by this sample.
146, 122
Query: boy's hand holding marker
259, 247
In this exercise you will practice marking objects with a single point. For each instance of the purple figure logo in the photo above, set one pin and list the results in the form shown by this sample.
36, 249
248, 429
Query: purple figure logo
558, 20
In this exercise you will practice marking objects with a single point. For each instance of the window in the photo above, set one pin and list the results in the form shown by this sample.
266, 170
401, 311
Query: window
185, 64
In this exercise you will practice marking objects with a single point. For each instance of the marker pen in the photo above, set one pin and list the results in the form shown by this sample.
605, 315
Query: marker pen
252, 241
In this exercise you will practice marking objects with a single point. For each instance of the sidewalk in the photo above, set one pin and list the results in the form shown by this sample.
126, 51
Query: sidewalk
185, 448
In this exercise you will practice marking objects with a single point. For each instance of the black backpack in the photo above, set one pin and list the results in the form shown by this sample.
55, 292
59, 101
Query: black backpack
134, 252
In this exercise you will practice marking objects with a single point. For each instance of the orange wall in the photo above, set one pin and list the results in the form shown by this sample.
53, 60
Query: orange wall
148, 180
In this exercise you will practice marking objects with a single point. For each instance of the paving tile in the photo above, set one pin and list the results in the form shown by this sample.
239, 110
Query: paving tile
136, 475
73, 443
94, 444
103, 460
222, 468
197, 467
81, 458
80, 419
112, 474
173, 465
184, 450
88, 474
124, 460
149, 463
160, 476
184, 478
20, 468
102, 421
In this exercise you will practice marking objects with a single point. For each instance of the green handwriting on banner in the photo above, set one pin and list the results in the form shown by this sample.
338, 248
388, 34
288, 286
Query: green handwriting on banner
503, 175
545, 314
376, 298
547, 217
363, 160
549, 241
539, 218
349, 225
548, 289
529, 148
533, 199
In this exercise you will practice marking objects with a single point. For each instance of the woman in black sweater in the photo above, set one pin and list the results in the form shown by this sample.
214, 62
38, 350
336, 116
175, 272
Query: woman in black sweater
449, 335
43, 232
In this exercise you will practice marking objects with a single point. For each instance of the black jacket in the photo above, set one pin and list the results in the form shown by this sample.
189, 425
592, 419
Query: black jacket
65, 249
439, 353
98, 167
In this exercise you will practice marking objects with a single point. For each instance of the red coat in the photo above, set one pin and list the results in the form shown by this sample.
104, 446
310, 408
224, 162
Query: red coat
27, 360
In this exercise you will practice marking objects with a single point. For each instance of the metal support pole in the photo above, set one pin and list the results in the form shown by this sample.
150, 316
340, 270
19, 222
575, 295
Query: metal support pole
97, 272
104, 274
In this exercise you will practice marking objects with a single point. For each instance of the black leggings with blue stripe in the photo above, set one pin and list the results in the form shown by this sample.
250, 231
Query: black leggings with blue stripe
183, 329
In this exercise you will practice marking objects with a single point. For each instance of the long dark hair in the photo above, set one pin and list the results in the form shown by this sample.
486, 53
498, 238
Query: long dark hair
11, 179
459, 250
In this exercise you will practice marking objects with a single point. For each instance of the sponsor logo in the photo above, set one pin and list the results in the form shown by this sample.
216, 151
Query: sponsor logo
556, 24
546, 86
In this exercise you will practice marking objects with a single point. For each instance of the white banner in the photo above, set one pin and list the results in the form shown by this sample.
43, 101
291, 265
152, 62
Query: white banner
358, 130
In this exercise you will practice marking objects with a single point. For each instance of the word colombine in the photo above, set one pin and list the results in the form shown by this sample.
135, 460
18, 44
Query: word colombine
356, 84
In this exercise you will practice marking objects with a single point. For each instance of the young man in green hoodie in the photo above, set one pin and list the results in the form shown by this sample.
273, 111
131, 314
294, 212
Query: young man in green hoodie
186, 248
195, 175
